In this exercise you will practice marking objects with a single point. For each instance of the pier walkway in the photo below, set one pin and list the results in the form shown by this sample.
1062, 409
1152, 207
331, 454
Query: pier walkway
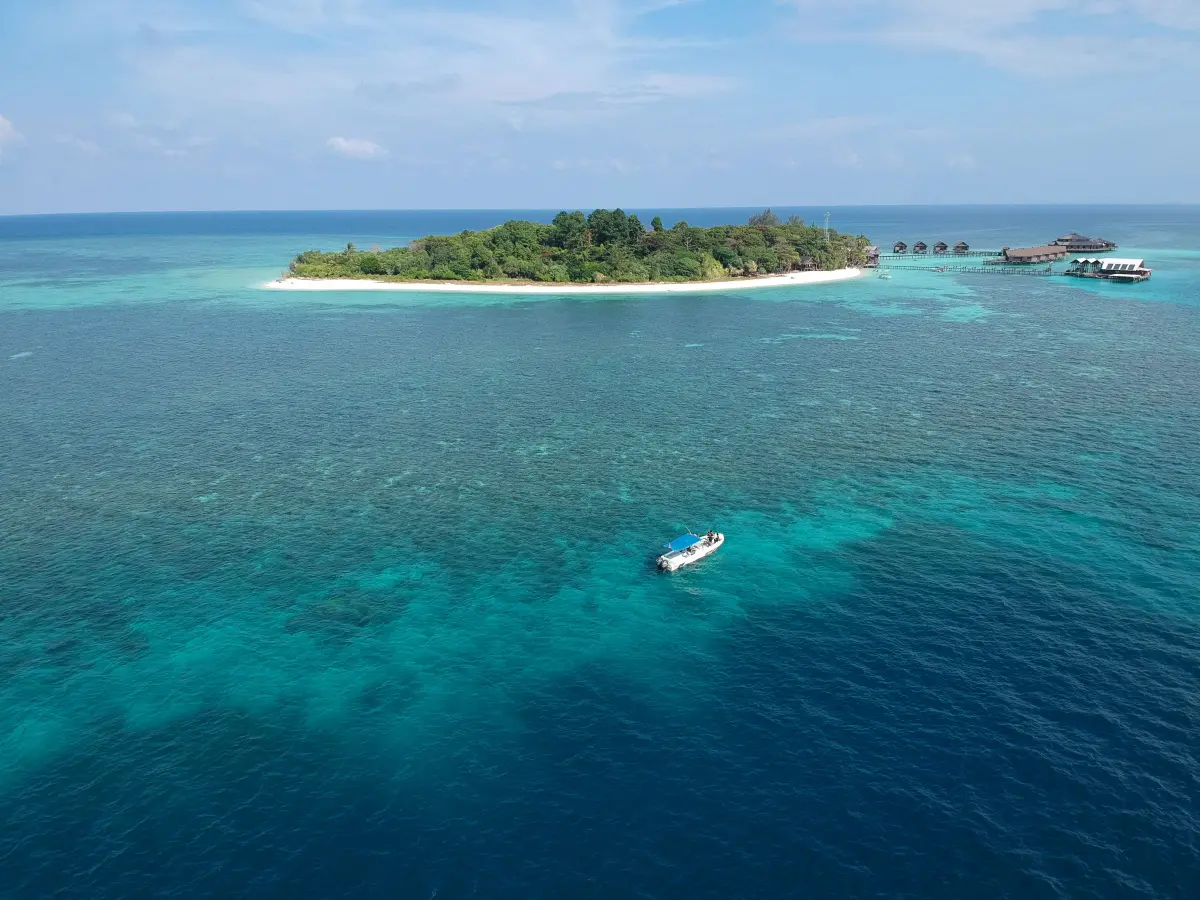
1037, 271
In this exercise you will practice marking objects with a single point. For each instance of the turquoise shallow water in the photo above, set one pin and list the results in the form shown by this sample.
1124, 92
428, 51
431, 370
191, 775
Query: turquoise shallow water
322, 595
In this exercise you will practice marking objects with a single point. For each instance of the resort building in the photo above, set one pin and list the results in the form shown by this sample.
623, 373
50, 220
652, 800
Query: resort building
1077, 243
1032, 255
1122, 270
872, 257
920, 247
900, 247
962, 247
941, 247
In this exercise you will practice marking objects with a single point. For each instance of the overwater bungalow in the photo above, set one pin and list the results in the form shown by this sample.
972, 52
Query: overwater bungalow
962, 247
1077, 243
920, 247
872, 257
1029, 256
941, 247
900, 247
1126, 271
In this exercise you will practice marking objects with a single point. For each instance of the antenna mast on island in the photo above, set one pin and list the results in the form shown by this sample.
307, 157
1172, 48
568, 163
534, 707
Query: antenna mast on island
827, 228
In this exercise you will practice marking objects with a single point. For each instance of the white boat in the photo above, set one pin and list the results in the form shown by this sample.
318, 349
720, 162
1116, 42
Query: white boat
884, 274
689, 548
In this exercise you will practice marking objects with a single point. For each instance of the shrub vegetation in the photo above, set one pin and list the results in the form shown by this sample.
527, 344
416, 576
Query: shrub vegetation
606, 245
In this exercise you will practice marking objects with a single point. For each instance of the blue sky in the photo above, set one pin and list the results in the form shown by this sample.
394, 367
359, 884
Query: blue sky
277, 104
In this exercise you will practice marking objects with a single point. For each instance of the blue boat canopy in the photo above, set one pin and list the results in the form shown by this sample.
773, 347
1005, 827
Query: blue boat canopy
682, 543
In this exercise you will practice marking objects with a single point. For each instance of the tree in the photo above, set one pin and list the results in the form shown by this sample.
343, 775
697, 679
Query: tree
570, 230
765, 219
519, 234
688, 237
767, 259
614, 227
680, 265
634, 229
605, 245
727, 257
710, 269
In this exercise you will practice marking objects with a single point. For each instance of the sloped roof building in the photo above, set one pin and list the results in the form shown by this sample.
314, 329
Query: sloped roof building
1078, 243
1031, 255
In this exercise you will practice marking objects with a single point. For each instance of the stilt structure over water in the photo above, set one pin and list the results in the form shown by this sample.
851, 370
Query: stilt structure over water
957, 254
1030, 256
1126, 271
1077, 243
976, 270
1035, 261
941, 248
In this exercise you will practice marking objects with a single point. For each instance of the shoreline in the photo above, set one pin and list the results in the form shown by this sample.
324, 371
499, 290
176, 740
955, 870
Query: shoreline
468, 287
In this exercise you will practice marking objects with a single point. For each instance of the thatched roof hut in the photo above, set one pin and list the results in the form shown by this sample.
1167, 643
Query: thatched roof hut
941, 247
920, 247
962, 247
900, 247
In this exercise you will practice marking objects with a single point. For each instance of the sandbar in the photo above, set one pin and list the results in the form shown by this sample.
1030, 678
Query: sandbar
467, 287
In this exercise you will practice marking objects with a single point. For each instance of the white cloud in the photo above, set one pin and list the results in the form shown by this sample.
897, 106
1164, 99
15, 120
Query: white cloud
1183, 14
1052, 38
615, 165
8, 134
827, 127
655, 87
168, 142
848, 159
356, 148
368, 61
86, 146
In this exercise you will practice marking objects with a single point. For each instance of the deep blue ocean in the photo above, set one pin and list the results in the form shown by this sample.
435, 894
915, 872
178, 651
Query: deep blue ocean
352, 595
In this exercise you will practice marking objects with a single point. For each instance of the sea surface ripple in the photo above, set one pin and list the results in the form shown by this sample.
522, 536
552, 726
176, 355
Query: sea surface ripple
326, 596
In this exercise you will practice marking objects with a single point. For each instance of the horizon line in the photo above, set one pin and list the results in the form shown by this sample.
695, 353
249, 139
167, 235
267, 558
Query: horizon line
486, 209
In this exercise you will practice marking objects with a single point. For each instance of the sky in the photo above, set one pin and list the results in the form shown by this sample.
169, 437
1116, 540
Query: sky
123, 105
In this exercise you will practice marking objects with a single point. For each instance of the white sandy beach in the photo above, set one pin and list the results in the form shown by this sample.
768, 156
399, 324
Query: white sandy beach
459, 287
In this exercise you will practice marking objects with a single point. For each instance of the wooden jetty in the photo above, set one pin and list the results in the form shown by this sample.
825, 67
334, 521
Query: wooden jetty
977, 270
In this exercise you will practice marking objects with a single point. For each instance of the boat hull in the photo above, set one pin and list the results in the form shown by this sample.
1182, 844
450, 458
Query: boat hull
672, 562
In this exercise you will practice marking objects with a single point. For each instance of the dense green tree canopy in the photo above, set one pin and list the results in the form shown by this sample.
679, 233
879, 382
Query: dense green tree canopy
605, 245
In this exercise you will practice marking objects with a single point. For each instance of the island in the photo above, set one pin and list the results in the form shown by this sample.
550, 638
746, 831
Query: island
604, 250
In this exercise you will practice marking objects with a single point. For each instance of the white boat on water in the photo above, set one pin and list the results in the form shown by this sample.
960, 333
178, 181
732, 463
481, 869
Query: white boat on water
689, 548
